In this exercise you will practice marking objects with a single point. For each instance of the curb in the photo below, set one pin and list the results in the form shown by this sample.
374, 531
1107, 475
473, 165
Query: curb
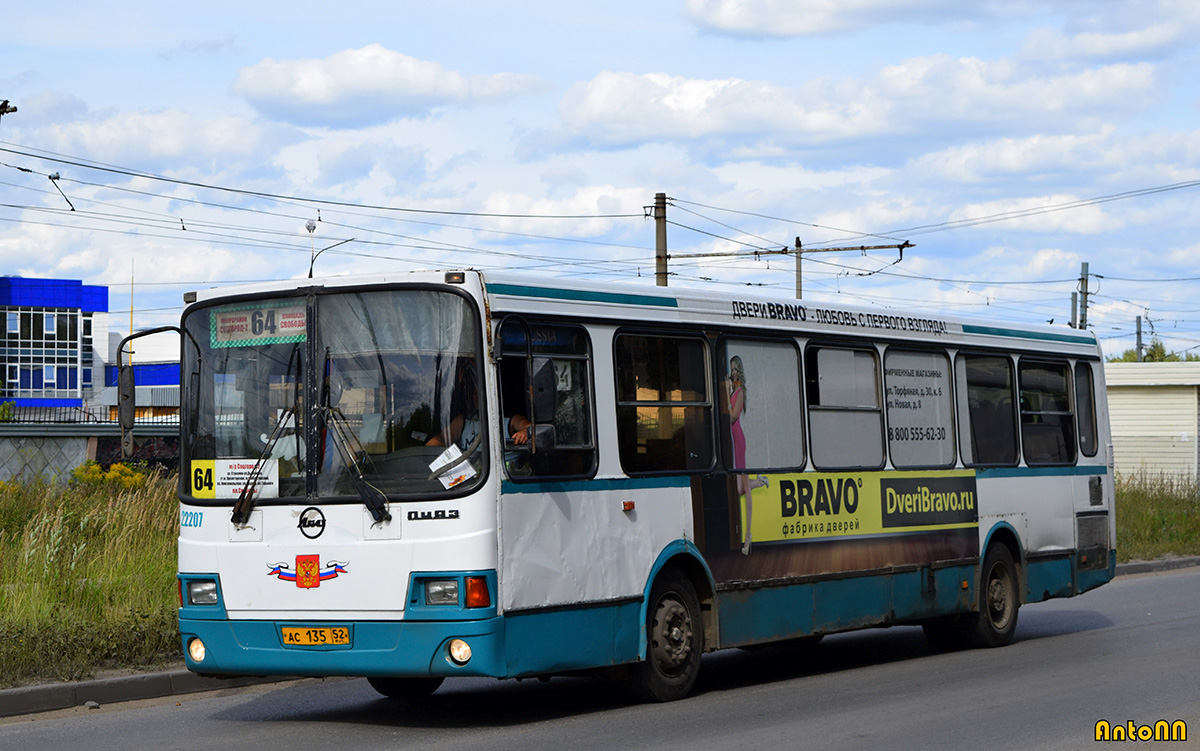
31, 699
1163, 564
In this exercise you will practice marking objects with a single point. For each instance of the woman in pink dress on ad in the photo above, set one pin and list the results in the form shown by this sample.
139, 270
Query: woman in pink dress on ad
737, 409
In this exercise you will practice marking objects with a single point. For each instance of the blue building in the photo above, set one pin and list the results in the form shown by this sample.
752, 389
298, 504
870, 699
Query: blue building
47, 352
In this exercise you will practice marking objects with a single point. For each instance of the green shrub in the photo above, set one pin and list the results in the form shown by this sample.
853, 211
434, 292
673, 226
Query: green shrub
1158, 515
88, 574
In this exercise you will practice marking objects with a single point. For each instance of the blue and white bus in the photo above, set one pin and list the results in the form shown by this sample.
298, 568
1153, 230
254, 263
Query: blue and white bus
420, 476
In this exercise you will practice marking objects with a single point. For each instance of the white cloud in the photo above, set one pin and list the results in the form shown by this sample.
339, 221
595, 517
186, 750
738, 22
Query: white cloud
786, 18
1126, 30
1054, 45
342, 161
205, 47
983, 160
1084, 220
141, 138
936, 93
364, 86
591, 200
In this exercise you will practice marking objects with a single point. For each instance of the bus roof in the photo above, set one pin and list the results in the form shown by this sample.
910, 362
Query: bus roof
515, 292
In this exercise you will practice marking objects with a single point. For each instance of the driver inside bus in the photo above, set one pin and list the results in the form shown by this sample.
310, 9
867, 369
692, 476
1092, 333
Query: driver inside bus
463, 428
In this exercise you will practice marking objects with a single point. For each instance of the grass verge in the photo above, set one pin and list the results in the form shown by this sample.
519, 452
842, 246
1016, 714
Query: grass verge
1158, 516
87, 574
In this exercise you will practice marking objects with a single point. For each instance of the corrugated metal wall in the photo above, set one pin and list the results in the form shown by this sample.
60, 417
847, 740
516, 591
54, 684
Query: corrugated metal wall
1154, 427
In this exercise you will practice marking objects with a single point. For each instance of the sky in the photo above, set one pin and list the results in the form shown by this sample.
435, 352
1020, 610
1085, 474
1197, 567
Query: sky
165, 147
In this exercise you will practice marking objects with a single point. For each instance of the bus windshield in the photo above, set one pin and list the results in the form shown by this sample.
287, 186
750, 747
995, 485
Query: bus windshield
335, 395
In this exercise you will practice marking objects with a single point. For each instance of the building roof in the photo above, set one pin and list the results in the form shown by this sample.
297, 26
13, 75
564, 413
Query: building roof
1152, 374
18, 291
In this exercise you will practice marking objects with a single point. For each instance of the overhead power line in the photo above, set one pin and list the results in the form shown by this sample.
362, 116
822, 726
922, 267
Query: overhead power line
1034, 211
296, 199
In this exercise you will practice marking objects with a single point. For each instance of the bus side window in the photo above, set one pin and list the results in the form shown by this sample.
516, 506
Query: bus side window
844, 415
1047, 422
920, 409
664, 411
985, 407
1085, 408
763, 430
572, 453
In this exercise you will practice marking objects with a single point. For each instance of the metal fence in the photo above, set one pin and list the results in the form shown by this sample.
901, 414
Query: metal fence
73, 415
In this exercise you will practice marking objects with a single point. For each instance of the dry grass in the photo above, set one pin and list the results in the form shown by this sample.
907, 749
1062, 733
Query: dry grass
87, 574
1158, 516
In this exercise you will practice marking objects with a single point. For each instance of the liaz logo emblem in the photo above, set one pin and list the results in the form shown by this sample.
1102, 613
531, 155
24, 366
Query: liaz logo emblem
312, 522
308, 572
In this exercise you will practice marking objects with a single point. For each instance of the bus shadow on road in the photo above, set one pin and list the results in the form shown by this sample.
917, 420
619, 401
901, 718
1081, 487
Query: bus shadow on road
481, 702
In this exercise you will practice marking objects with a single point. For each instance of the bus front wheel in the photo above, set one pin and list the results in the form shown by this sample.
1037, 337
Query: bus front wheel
674, 641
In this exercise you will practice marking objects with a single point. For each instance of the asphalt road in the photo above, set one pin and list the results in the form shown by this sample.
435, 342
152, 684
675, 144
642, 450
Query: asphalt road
1129, 651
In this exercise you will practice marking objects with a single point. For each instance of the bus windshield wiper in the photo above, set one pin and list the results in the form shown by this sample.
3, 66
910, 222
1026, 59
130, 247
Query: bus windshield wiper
372, 497
245, 501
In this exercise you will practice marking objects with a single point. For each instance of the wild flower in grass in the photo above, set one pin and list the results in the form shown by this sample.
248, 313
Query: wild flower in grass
117, 475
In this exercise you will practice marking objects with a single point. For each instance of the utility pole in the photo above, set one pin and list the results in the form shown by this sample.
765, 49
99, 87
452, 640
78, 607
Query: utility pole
660, 239
1074, 310
799, 278
1139, 340
793, 251
661, 256
860, 248
1083, 294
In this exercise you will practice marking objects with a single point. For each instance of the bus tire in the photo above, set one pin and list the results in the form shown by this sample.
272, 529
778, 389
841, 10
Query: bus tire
405, 688
674, 641
999, 601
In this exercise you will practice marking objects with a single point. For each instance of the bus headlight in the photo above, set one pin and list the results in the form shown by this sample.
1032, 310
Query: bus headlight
460, 652
441, 592
196, 650
203, 592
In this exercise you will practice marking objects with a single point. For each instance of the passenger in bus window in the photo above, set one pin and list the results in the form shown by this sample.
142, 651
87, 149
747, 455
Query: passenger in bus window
737, 409
518, 431
463, 427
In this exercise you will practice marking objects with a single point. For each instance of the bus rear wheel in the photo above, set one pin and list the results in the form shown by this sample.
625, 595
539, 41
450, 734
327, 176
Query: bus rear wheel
674, 641
405, 688
996, 622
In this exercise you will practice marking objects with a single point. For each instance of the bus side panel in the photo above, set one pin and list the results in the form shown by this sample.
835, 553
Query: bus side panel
572, 639
1092, 579
573, 544
751, 616
1049, 577
1062, 520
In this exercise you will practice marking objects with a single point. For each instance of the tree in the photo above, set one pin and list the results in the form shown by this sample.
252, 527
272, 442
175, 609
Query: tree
1156, 352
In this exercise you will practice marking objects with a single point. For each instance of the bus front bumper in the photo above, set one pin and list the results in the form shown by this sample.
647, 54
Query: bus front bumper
374, 648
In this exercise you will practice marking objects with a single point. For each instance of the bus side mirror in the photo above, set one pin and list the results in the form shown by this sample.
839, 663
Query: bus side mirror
544, 385
544, 438
125, 397
193, 392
